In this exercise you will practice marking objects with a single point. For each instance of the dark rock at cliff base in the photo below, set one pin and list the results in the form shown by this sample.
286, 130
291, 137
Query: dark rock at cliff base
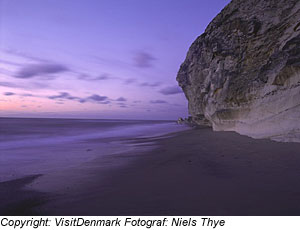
194, 121
243, 73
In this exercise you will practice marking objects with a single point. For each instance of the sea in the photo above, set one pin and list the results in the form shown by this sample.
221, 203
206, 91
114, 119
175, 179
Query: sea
31, 146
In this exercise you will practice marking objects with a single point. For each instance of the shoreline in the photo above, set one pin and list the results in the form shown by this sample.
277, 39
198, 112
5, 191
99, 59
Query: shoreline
193, 172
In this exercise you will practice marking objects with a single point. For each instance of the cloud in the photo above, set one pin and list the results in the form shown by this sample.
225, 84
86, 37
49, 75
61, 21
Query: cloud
122, 105
22, 94
34, 70
27, 95
148, 84
171, 90
102, 77
98, 98
8, 94
110, 61
129, 81
29, 86
143, 60
67, 96
93, 98
121, 99
9, 84
9, 62
105, 102
158, 102
82, 100
83, 76
24, 55
38, 85
63, 95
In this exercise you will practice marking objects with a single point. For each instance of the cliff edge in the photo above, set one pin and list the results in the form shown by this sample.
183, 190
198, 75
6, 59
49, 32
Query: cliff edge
243, 73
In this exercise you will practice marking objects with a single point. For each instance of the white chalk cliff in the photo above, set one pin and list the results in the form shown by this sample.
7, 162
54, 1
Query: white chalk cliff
243, 73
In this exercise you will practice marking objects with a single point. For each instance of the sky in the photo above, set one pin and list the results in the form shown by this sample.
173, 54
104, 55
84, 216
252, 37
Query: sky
97, 58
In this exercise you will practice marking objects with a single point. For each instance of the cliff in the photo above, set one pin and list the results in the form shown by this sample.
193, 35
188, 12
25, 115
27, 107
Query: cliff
243, 73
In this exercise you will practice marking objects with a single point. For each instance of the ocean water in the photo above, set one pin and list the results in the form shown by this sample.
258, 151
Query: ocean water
38, 146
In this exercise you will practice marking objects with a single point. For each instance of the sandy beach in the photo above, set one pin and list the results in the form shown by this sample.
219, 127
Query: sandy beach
193, 172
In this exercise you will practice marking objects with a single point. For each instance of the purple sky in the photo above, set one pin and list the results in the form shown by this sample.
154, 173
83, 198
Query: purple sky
97, 58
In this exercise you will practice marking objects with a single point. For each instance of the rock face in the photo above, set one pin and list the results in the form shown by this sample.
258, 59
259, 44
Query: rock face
243, 72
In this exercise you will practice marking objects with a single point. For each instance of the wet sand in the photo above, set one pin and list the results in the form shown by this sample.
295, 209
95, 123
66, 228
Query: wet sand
194, 172
17, 201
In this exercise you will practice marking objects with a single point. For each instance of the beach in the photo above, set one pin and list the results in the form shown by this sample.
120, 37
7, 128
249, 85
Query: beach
195, 171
